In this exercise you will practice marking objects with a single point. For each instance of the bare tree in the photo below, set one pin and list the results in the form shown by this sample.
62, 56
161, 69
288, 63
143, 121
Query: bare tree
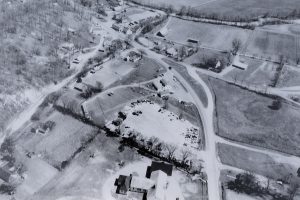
294, 186
236, 45
170, 148
185, 155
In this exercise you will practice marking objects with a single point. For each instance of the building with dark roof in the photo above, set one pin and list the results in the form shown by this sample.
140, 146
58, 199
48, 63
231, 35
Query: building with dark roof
123, 184
162, 166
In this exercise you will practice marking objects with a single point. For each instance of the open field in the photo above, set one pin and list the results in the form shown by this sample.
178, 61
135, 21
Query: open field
271, 45
86, 175
109, 73
257, 163
60, 143
208, 35
146, 69
177, 4
289, 77
283, 28
231, 9
258, 73
250, 118
248, 9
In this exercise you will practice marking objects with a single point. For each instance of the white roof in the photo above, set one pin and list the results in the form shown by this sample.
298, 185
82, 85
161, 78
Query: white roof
142, 183
164, 31
160, 179
172, 51
238, 63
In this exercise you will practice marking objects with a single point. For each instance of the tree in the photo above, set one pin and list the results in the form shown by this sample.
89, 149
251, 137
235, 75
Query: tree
170, 149
185, 155
294, 186
236, 45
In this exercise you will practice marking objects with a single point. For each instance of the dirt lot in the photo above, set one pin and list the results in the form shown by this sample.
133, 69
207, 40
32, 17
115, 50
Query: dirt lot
250, 118
270, 45
258, 73
254, 162
103, 103
209, 35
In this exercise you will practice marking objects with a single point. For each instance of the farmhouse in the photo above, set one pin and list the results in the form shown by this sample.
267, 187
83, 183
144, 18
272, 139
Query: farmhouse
133, 56
153, 186
239, 63
172, 52
163, 32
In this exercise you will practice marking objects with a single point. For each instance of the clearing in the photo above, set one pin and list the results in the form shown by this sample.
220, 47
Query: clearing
238, 119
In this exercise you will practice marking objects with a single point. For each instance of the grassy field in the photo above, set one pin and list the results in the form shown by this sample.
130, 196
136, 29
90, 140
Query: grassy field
254, 162
289, 77
145, 70
209, 35
60, 143
246, 9
258, 73
232, 9
249, 118
177, 4
86, 175
271, 45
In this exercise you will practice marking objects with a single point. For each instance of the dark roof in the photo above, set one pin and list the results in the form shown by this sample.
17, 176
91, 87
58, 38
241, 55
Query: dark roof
4, 175
123, 184
165, 167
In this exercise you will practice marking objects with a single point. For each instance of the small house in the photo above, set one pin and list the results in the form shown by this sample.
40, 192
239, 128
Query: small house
172, 52
123, 184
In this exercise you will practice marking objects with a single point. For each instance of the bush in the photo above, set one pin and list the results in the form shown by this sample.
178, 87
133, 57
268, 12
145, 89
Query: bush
7, 189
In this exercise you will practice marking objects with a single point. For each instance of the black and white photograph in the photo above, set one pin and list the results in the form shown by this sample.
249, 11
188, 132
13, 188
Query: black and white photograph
149, 99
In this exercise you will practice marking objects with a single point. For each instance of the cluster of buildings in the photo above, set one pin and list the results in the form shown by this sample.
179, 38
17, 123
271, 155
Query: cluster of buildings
154, 186
126, 27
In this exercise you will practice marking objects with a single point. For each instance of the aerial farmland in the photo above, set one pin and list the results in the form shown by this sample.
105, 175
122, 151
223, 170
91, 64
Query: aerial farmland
150, 99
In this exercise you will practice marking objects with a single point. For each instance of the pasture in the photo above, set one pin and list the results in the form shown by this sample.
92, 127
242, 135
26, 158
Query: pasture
251, 118
258, 73
249, 9
254, 162
272, 45
218, 37
177, 4
289, 77
58, 144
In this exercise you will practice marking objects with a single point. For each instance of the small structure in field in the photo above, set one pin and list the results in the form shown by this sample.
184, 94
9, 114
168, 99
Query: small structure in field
240, 64
163, 32
81, 87
172, 52
45, 127
5, 176
153, 186
133, 56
